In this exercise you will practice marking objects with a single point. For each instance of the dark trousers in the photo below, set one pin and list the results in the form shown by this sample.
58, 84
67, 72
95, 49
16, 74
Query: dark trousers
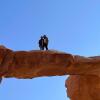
41, 47
45, 46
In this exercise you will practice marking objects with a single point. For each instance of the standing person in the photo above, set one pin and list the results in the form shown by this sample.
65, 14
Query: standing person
41, 43
45, 42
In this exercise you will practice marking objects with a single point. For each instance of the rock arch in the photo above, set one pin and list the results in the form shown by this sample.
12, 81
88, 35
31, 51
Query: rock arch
82, 84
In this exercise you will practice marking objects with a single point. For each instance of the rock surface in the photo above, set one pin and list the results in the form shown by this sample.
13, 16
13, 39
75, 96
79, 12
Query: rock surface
30, 64
83, 87
83, 84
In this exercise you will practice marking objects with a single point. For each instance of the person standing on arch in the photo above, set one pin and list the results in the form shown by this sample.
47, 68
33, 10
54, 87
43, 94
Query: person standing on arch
41, 43
45, 42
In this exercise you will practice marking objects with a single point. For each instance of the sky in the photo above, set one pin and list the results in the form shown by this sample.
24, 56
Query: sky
72, 26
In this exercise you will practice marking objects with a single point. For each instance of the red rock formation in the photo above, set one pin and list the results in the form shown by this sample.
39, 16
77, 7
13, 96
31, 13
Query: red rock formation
30, 64
83, 84
83, 87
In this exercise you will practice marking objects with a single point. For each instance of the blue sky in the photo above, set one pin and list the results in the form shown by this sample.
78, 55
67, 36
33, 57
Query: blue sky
72, 26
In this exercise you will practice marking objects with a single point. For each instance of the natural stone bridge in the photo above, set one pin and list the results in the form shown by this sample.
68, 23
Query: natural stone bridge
82, 84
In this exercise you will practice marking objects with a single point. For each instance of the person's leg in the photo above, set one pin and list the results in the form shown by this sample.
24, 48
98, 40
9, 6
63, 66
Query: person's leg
46, 47
42, 47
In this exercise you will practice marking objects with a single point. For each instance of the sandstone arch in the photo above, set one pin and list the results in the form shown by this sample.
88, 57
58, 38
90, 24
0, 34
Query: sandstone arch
83, 84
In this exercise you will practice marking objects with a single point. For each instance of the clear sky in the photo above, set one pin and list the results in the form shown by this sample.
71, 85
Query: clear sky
72, 26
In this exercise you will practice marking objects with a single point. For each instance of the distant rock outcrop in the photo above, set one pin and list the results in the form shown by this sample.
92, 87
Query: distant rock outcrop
83, 84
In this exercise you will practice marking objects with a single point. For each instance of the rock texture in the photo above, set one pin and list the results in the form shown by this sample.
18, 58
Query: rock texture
30, 64
83, 84
83, 87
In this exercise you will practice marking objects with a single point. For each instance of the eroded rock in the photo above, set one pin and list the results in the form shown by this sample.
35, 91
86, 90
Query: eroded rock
36, 63
83, 84
83, 87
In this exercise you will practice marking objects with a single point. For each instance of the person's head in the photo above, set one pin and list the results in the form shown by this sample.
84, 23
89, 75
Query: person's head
44, 36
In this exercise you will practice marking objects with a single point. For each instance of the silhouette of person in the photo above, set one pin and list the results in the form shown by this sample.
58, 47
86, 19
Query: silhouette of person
41, 43
45, 42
